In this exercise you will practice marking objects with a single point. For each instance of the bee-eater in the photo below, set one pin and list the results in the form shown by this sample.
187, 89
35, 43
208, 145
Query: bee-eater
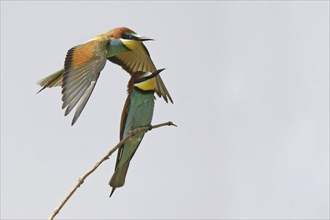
83, 64
137, 112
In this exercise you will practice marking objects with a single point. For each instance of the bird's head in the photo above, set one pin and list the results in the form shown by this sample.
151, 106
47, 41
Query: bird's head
127, 37
143, 80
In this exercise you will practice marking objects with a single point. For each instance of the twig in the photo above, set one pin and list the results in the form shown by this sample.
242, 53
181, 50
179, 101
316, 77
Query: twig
82, 178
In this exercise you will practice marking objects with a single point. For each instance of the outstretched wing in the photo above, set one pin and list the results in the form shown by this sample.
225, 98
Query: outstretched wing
140, 60
82, 68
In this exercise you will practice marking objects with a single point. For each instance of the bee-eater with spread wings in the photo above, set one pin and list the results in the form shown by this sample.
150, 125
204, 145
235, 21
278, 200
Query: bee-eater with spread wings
83, 64
137, 112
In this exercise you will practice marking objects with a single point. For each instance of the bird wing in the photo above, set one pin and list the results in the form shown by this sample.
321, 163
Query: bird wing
140, 60
82, 68
122, 127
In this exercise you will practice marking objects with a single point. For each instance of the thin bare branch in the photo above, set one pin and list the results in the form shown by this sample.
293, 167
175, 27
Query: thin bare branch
89, 172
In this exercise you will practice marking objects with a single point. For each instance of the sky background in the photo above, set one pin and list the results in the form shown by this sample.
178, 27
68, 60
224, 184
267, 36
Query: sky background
250, 83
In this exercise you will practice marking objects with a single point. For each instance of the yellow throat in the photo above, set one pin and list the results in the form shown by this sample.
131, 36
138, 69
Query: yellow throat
147, 85
131, 44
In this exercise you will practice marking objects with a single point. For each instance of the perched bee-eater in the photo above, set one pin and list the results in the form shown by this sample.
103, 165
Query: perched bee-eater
83, 64
137, 112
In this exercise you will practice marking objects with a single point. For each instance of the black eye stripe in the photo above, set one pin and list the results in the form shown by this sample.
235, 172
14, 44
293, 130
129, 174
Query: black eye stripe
129, 36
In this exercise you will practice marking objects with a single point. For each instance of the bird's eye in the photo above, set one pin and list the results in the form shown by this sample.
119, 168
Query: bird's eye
128, 36
125, 36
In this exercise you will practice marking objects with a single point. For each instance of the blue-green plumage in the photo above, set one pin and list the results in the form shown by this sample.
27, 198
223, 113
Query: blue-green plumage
115, 46
138, 111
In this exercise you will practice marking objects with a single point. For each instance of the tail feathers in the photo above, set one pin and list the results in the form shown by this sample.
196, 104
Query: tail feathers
161, 90
53, 80
41, 89
112, 191
118, 178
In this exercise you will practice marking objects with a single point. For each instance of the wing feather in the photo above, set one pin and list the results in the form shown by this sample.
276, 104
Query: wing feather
140, 60
75, 99
122, 127
83, 101
82, 68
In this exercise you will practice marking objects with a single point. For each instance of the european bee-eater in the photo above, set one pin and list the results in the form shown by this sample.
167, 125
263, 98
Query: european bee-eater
83, 64
137, 112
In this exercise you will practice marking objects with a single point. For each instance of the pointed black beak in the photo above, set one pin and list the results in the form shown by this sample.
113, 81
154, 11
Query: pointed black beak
156, 72
142, 79
144, 39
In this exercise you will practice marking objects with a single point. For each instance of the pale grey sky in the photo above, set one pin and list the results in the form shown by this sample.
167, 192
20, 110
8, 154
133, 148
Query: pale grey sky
250, 83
